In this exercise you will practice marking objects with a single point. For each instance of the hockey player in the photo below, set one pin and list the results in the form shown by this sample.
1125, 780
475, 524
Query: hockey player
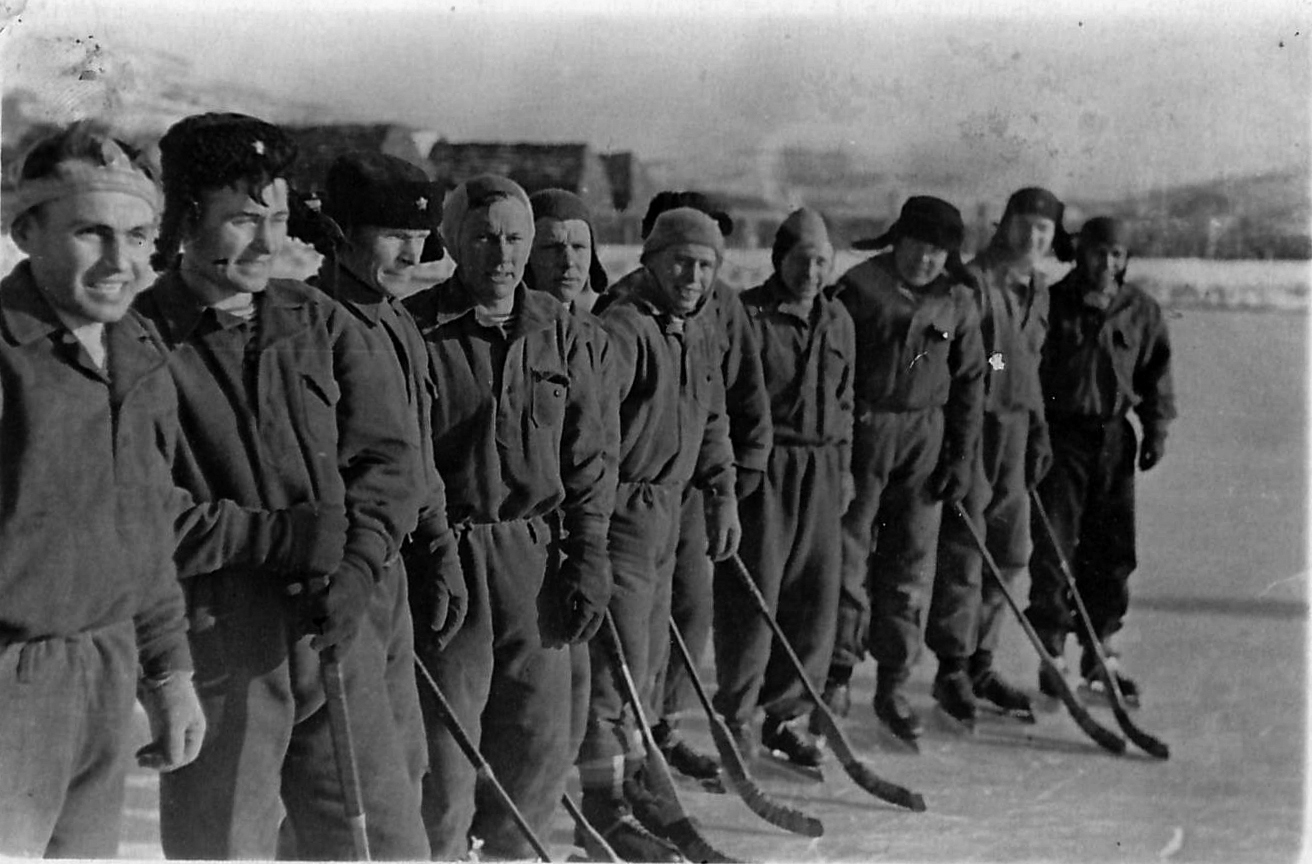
1107, 354
673, 432
967, 610
564, 264
793, 519
91, 613
287, 412
383, 209
918, 400
748, 406
518, 434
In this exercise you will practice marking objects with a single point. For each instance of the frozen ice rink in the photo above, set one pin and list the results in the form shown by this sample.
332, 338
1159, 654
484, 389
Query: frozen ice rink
1216, 636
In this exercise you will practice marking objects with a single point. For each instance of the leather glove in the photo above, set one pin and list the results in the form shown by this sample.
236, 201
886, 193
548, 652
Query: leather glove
748, 482
1151, 451
950, 480
335, 610
1038, 458
723, 530
177, 723
439, 597
309, 539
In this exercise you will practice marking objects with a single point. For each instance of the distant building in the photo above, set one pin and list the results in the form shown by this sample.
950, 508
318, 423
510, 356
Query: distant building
320, 145
609, 183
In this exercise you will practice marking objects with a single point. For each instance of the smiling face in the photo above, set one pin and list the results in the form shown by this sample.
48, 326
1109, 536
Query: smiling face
90, 252
562, 253
684, 273
493, 250
231, 247
385, 258
805, 270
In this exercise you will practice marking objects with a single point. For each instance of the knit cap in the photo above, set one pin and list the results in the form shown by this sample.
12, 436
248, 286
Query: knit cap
474, 194
683, 225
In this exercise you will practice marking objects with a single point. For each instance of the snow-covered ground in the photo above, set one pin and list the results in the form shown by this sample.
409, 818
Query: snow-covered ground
1216, 635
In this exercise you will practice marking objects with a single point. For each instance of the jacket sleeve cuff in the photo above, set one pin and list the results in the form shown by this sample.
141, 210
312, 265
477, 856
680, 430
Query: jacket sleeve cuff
370, 547
162, 656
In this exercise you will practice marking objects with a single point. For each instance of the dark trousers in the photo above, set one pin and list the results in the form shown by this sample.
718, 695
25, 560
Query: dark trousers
509, 691
269, 745
966, 612
691, 604
1089, 496
792, 548
64, 742
643, 536
402, 686
890, 535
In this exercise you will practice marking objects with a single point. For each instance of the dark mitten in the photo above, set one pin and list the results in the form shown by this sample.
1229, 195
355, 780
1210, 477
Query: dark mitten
336, 611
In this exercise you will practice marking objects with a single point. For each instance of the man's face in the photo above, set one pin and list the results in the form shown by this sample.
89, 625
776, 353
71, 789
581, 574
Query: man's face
232, 246
1029, 237
493, 249
562, 253
385, 258
918, 262
805, 269
1104, 262
684, 273
90, 252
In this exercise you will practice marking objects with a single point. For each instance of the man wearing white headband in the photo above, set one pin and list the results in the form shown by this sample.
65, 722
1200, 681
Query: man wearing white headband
91, 613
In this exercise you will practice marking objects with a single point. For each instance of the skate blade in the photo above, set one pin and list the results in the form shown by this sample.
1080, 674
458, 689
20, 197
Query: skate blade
1096, 693
954, 724
911, 743
770, 763
1020, 714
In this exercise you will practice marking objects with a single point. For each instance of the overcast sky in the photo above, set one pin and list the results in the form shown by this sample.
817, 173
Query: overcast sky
1117, 101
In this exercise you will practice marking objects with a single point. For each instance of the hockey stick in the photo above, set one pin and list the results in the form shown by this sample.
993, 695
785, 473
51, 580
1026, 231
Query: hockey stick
1104, 737
348, 772
480, 764
681, 831
1152, 746
860, 773
594, 844
744, 787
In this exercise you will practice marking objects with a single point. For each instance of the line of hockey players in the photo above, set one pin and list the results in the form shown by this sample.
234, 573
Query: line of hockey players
225, 492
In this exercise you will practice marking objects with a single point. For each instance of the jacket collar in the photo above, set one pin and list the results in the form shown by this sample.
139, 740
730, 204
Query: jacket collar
181, 312
351, 291
534, 310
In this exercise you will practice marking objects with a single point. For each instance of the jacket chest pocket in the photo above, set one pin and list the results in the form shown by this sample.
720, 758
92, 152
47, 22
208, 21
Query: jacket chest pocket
930, 345
549, 391
319, 395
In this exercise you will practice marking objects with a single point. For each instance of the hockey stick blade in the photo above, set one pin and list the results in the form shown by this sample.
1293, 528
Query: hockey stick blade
731, 761
1101, 735
860, 773
1154, 747
681, 830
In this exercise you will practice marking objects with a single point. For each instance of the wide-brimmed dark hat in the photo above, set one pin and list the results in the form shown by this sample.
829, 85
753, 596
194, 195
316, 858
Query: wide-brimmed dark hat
925, 218
669, 200
365, 188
